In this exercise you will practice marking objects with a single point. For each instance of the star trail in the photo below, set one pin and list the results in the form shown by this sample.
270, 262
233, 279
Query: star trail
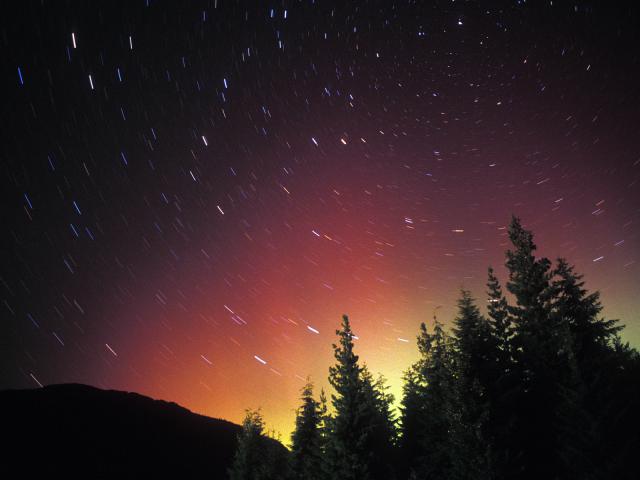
193, 193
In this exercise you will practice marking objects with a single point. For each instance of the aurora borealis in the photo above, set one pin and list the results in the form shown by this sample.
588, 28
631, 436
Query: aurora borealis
195, 192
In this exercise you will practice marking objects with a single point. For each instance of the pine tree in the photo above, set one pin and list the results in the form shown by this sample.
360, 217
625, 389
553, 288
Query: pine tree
432, 434
413, 407
361, 431
306, 439
592, 341
500, 321
592, 336
249, 461
528, 281
475, 368
503, 382
346, 453
381, 439
411, 414
544, 363
619, 414
474, 347
444, 457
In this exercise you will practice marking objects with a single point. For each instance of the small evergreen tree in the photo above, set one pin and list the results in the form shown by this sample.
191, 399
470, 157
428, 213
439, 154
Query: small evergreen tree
307, 439
249, 462
257, 456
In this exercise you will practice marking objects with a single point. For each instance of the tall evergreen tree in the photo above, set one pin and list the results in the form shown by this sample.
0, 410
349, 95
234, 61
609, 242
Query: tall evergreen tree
443, 456
474, 346
545, 369
475, 368
619, 414
411, 414
346, 455
503, 382
381, 439
413, 407
355, 450
593, 341
431, 412
592, 336
307, 438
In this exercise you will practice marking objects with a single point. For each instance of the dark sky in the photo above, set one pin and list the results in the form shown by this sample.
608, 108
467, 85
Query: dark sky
194, 192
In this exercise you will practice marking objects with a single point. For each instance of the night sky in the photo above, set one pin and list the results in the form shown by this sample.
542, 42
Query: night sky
193, 193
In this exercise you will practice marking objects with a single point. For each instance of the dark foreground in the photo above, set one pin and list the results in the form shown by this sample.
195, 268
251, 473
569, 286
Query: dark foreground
77, 431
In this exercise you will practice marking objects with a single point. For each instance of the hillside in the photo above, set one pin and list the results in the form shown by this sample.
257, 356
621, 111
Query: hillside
80, 431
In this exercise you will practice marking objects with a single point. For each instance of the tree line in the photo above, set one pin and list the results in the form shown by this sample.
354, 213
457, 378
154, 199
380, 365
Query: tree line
541, 387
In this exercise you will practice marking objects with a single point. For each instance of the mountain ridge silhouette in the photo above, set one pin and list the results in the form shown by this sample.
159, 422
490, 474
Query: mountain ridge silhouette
76, 430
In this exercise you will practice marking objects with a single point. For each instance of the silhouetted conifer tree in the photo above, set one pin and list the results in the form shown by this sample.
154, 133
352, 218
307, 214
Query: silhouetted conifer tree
476, 372
500, 321
502, 389
381, 439
307, 438
257, 457
545, 365
357, 425
249, 461
431, 412
411, 414
592, 336
598, 363
619, 414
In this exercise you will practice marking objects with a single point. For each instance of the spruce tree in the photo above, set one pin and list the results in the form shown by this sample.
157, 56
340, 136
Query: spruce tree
381, 439
346, 453
249, 460
500, 321
502, 389
431, 412
413, 408
306, 439
360, 443
474, 346
544, 363
475, 368
411, 414
443, 424
619, 414
592, 340
592, 336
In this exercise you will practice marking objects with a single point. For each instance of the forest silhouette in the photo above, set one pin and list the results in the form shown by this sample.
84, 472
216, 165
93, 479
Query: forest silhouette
541, 387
